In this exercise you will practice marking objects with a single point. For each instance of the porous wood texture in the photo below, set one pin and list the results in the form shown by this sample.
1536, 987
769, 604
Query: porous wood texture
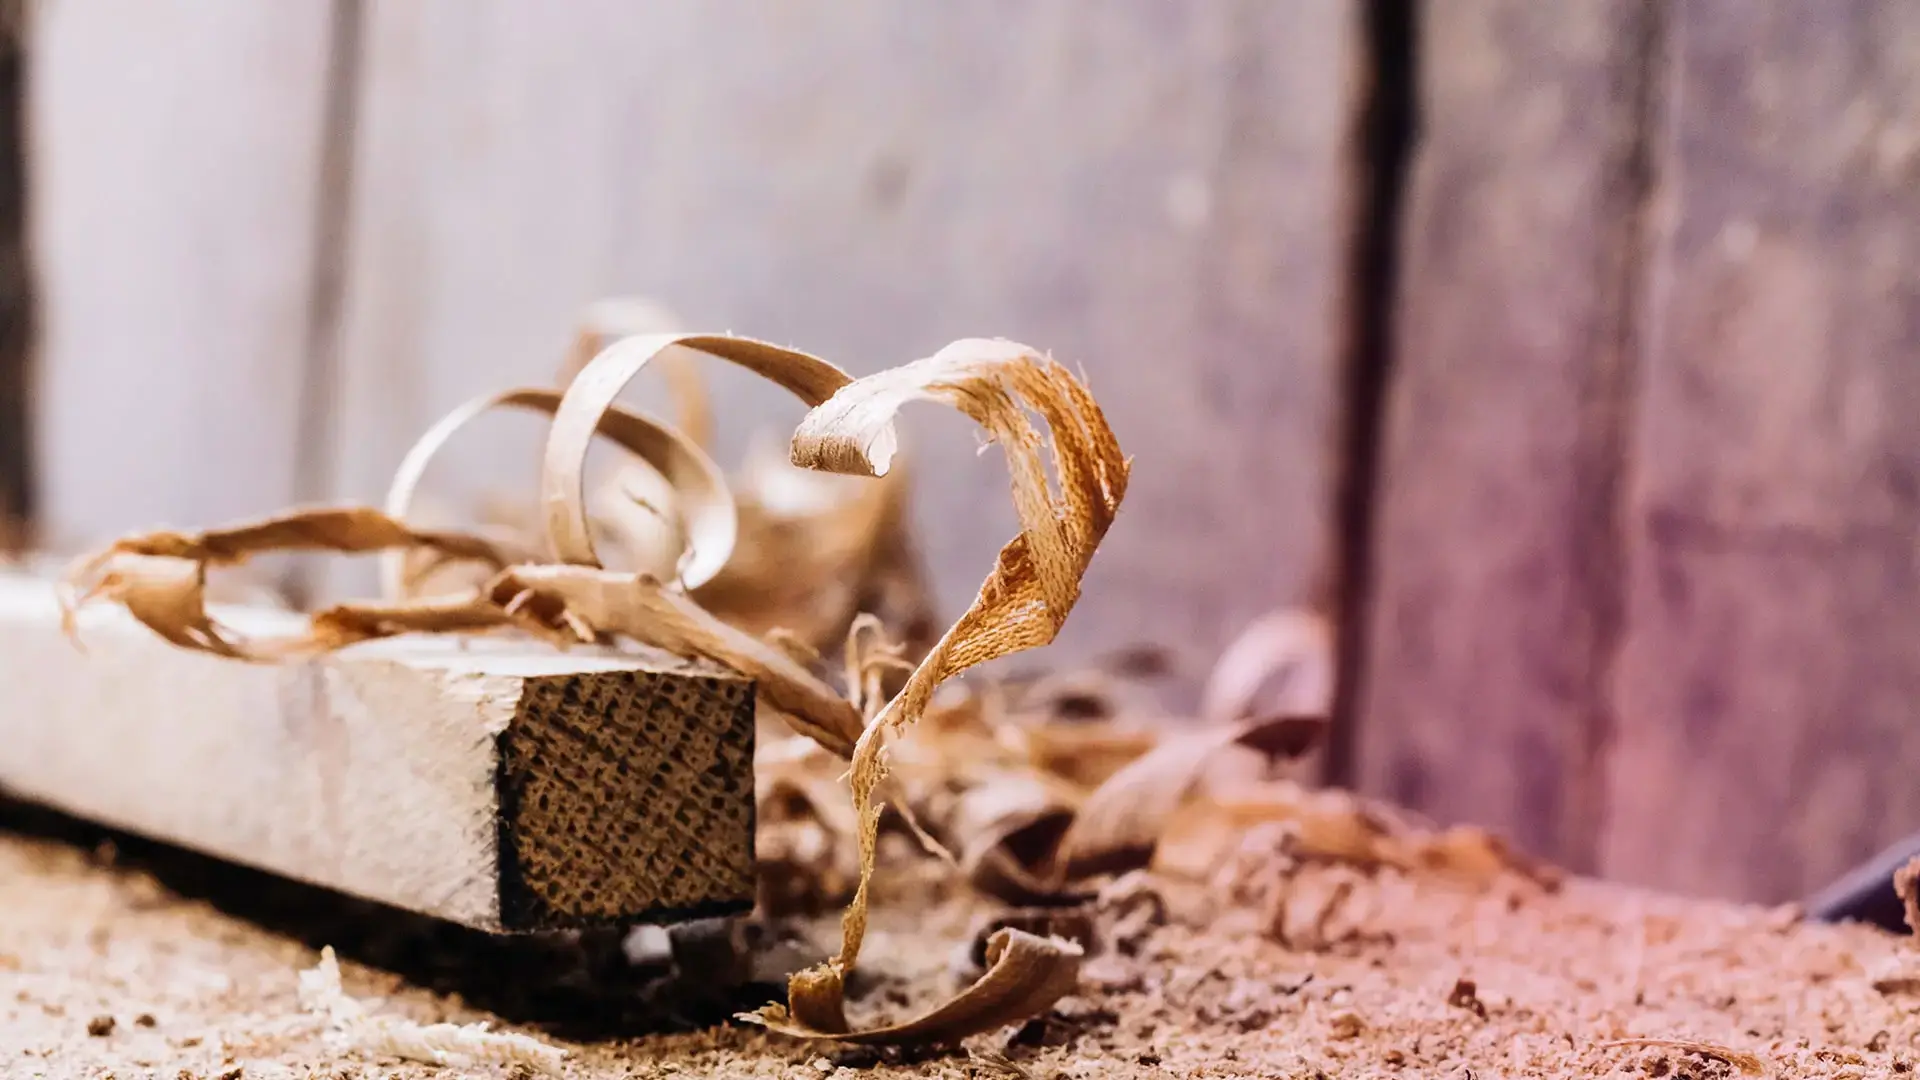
500, 786
1646, 590
627, 792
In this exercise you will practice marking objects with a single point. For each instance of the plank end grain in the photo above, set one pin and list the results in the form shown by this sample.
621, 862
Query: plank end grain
666, 762
493, 784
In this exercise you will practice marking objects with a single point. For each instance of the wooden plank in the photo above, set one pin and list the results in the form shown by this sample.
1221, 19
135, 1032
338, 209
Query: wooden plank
497, 786
1158, 193
1768, 679
1495, 574
175, 171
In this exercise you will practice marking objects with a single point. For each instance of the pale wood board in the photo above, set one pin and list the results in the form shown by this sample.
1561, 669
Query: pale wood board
175, 158
1157, 193
1767, 684
1495, 578
504, 786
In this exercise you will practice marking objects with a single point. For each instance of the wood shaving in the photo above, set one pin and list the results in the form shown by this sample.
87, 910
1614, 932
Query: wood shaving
1280, 665
1334, 826
699, 524
1120, 823
1034, 583
161, 578
1026, 974
360, 1031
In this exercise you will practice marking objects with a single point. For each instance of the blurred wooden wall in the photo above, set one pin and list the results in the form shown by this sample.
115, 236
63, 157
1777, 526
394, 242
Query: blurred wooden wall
281, 239
1646, 586
18, 484
1598, 420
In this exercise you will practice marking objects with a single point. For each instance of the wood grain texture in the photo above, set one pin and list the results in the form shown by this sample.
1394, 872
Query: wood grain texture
1495, 564
175, 170
499, 786
1768, 680
1155, 192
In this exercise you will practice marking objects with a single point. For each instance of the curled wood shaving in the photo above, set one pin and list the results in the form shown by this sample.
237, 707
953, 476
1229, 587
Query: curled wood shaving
161, 578
1119, 824
703, 523
1074, 924
632, 316
1025, 975
591, 394
1281, 664
1036, 580
1010, 827
815, 549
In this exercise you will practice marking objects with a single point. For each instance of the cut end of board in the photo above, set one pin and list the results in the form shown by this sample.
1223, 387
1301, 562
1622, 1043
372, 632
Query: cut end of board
614, 808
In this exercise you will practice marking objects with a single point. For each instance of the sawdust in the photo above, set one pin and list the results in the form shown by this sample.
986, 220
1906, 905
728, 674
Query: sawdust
1445, 980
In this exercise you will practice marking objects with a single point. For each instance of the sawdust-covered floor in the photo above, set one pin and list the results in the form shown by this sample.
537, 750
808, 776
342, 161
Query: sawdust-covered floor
134, 965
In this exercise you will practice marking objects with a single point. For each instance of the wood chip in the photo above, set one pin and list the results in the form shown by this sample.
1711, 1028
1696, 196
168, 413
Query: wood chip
1026, 974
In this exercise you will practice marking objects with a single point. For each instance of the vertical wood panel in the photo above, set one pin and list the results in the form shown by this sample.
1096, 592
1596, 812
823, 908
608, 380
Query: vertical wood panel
175, 156
17, 480
1157, 193
1769, 683
1494, 580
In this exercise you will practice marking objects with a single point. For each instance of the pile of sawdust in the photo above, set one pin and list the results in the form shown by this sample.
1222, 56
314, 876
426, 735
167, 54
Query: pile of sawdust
1302, 970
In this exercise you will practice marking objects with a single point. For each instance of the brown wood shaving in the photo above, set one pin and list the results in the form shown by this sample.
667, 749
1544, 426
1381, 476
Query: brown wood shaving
1036, 580
161, 579
1119, 824
1280, 665
1025, 975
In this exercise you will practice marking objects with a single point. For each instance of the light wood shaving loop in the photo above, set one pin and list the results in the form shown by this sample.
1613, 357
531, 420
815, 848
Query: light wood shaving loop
703, 506
1281, 664
631, 316
592, 394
